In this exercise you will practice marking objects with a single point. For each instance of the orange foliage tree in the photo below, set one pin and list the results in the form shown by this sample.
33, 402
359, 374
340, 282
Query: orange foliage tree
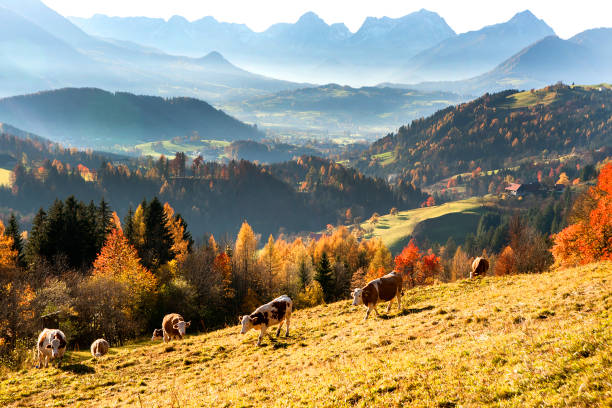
406, 262
119, 261
590, 238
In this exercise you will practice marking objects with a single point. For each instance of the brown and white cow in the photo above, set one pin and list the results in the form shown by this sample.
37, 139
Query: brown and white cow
99, 348
480, 266
173, 326
51, 346
383, 289
273, 313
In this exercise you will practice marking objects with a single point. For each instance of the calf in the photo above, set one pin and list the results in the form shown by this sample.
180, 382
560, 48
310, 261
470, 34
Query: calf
383, 289
273, 313
51, 346
173, 326
99, 348
480, 266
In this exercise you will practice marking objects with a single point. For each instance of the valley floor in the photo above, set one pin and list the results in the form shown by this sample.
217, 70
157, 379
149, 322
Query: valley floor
528, 340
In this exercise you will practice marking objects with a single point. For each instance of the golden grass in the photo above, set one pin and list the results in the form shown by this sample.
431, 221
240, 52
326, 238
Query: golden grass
394, 229
5, 178
519, 341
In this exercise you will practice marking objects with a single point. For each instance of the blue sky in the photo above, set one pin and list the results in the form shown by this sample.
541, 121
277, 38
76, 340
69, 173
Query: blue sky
566, 17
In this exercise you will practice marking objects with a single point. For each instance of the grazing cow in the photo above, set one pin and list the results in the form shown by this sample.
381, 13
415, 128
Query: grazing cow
480, 266
273, 313
383, 289
51, 345
173, 326
99, 348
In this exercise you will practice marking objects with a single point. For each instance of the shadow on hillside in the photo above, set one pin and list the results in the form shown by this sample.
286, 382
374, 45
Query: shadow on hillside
78, 368
406, 312
410, 311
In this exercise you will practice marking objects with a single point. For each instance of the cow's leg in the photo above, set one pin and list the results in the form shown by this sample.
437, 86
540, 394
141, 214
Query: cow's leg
287, 326
389, 306
279, 327
261, 335
370, 308
399, 300
46, 360
40, 359
376, 310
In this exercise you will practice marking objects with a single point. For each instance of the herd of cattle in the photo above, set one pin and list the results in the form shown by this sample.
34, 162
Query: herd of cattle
52, 342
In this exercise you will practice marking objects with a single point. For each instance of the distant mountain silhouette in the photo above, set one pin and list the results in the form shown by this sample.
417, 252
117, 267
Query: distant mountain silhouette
583, 59
43, 50
300, 50
88, 117
475, 52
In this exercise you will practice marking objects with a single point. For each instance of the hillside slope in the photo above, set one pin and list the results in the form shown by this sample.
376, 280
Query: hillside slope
527, 340
494, 130
95, 118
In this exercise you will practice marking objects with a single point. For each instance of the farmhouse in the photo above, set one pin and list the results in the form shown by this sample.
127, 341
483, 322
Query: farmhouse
517, 189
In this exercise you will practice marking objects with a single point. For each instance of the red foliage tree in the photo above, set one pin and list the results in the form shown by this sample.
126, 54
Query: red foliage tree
590, 239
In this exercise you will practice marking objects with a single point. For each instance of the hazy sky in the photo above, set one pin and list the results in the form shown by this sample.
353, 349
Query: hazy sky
566, 17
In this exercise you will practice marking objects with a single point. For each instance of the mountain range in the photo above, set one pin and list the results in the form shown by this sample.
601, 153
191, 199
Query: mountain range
583, 59
309, 48
89, 117
41, 49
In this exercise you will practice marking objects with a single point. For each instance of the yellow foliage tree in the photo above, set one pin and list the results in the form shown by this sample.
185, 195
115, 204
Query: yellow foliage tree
180, 246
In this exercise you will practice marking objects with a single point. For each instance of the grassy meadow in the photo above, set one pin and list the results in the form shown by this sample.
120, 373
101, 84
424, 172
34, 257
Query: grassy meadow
395, 230
515, 341
5, 177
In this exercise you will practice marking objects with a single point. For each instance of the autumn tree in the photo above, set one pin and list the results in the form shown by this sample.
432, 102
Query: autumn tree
245, 259
589, 238
460, 265
406, 263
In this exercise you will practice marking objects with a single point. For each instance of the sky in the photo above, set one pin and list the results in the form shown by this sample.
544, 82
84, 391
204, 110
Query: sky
566, 17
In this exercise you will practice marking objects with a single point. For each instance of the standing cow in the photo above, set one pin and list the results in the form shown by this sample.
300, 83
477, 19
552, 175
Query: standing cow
173, 326
383, 289
480, 266
51, 346
273, 313
99, 348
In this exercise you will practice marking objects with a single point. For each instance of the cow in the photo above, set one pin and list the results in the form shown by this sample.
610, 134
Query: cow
480, 266
51, 346
173, 326
99, 348
273, 313
383, 289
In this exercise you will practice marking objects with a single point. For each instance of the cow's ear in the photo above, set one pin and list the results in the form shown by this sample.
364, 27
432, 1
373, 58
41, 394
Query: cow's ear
49, 346
188, 324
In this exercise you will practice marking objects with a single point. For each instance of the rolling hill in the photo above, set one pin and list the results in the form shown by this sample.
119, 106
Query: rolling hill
89, 117
493, 131
523, 340
469, 54
338, 108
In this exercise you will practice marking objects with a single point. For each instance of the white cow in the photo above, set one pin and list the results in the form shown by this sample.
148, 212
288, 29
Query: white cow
273, 313
51, 346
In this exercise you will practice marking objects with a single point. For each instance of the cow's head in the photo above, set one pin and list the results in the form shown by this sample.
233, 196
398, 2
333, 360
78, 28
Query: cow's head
158, 334
357, 295
182, 327
54, 346
247, 323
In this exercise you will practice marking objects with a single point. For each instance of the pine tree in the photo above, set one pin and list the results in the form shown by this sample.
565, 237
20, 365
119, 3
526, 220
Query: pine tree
128, 226
157, 240
303, 275
36, 239
324, 276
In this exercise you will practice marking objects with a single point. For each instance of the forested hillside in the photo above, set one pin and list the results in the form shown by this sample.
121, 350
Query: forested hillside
493, 132
93, 118
213, 197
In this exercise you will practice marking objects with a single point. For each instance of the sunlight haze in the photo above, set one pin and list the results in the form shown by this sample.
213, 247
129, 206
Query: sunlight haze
563, 16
